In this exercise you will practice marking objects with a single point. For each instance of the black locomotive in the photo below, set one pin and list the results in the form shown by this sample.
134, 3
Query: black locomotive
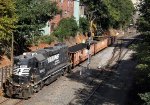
35, 69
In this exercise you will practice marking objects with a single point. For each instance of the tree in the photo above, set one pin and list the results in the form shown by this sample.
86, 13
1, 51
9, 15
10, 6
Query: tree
109, 13
119, 11
144, 20
67, 27
33, 14
94, 11
32, 17
7, 19
142, 78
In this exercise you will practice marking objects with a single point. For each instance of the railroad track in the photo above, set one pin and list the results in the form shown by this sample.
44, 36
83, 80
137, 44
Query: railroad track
11, 101
119, 55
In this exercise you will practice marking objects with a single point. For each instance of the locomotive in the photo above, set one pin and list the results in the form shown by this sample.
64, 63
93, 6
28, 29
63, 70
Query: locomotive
33, 70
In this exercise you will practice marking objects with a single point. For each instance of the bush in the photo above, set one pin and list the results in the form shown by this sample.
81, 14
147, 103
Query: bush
146, 98
142, 74
40, 39
67, 27
47, 39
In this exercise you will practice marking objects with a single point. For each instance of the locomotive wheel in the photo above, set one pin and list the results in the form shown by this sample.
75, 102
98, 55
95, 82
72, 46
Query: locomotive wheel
8, 92
30, 91
41, 85
69, 69
63, 71
38, 88
26, 93
47, 82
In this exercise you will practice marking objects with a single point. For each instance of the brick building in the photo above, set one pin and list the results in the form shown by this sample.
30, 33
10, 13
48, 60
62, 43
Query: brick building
69, 8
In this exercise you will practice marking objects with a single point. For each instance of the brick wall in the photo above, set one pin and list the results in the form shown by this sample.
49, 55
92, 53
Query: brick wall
67, 7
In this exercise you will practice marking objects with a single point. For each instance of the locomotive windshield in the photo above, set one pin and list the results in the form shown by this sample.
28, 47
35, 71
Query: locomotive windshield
20, 79
22, 63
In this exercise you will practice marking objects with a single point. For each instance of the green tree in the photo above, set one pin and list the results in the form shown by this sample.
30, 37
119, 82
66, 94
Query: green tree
67, 27
109, 13
94, 11
119, 11
7, 19
144, 20
33, 14
32, 17
142, 48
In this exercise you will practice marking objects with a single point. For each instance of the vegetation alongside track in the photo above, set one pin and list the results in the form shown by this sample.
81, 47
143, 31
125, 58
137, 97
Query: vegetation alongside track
26, 18
141, 87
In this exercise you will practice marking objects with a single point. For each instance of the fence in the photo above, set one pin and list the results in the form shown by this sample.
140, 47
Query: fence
5, 72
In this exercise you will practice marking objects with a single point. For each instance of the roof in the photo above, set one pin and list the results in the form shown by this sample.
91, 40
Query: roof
39, 57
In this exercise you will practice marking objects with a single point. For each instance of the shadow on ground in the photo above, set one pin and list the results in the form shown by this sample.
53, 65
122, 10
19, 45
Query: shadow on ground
114, 84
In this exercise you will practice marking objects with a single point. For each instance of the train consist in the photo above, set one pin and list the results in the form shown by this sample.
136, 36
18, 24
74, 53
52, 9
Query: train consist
35, 69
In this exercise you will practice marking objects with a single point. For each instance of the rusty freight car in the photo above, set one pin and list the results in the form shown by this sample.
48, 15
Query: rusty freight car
100, 45
79, 53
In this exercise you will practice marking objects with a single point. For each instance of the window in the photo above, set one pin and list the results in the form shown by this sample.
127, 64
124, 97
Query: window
61, 1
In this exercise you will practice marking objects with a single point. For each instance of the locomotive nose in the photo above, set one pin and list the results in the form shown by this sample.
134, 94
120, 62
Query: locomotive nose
21, 71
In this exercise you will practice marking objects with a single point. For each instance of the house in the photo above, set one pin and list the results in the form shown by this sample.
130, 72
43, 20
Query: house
69, 8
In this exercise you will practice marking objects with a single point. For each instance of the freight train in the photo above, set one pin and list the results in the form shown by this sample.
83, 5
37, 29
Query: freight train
33, 70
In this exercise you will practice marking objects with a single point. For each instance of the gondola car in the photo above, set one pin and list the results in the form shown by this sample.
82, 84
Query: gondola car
34, 70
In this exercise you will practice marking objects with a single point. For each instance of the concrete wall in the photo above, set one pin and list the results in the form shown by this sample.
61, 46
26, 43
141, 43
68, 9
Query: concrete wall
67, 7
76, 10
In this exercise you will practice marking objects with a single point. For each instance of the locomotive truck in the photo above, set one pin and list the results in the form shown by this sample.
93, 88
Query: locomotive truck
35, 69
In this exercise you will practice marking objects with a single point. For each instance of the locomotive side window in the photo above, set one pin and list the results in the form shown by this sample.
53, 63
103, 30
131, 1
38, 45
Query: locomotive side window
36, 64
41, 65
30, 64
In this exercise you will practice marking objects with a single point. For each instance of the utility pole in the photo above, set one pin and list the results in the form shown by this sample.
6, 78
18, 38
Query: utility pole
88, 48
12, 53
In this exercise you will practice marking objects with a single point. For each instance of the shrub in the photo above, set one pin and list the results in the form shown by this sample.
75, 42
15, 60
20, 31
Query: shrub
67, 27
47, 39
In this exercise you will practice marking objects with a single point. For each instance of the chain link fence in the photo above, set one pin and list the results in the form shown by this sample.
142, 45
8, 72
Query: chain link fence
5, 72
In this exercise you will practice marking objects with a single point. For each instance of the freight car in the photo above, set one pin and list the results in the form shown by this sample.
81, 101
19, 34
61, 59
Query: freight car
78, 53
34, 70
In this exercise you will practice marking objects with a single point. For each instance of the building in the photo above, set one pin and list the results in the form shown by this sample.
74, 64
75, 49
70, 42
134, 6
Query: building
69, 8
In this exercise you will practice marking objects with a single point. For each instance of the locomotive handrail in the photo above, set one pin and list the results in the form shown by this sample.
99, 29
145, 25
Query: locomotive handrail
48, 76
